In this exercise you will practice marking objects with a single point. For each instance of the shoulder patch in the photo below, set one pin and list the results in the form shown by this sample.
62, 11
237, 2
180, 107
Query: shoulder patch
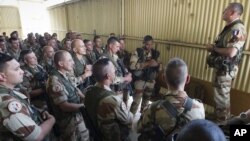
14, 106
57, 88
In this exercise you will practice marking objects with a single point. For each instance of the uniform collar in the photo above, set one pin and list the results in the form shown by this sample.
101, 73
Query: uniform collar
106, 87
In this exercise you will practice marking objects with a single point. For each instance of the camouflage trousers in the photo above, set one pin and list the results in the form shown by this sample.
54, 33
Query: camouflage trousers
74, 130
221, 87
143, 92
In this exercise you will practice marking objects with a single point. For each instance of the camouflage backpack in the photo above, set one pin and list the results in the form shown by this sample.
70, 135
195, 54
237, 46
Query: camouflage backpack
154, 131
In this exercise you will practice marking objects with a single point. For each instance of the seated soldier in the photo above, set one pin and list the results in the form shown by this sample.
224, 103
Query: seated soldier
33, 45
18, 119
3, 48
201, 130
107, 109
82, 69
47, 60
90, 53
14, 49
34, 79
174, 110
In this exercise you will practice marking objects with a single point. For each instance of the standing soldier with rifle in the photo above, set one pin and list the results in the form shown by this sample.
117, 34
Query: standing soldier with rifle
144, 64
123, 77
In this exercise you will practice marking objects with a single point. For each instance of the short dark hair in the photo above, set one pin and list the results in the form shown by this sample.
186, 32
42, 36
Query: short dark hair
85, 41
99, 71
147, 38
201, 129
175, 72
96, 37
112, 40
3, 60
59, 56
12, 39
237, 7
24, 53
14, 32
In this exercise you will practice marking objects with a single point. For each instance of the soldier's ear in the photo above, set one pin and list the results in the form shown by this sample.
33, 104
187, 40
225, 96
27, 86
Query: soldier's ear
60, 63
187, 79
74, 49
2, 77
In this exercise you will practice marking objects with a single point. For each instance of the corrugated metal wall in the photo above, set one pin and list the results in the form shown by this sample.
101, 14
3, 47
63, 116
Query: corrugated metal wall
180, 27
91, 16
9, 20
58, 20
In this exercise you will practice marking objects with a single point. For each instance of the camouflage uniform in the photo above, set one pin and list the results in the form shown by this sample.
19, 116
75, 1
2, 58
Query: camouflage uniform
144, 78
79, 68
35, 78
118, 84
223, 78
124, 55
14, 54
91, 57
36, 48
71, 124
16, 117
98, 52
47, 64
164, 119
109, 113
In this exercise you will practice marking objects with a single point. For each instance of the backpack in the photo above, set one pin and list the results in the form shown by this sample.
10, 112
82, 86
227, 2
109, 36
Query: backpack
154, 131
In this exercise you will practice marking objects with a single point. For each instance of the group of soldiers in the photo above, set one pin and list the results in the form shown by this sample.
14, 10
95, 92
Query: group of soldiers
78, 90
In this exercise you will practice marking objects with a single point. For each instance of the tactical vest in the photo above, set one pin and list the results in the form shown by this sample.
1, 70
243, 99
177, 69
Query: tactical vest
118, 68
223, 63
79, 65
72, 97
147, 73
93, 97
154, 131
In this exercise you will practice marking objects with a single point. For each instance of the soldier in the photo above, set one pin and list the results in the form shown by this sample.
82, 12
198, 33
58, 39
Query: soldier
67, 45
175, 109
52, 42
83, 68
106, 109
5, 36
2, 45
14, 48
47, 61
225, 56
47, 36
98, 48
34, 79
18, 120
90, 53
144, 64
123, 77
123, 54
33, 45
66, 100
15, 35
54, 36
